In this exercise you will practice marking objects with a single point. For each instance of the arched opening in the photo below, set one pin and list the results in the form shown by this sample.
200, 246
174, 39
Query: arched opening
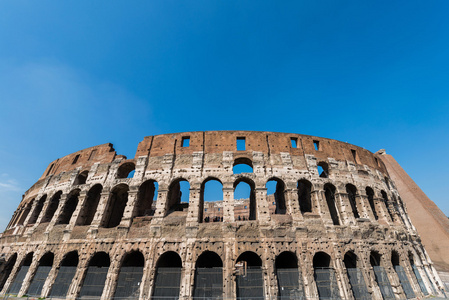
305, 195
275, 194
65, 275
130, 276
178, 196
403, 279
352, 192
323, 169
52, 206
242, 165
96, 273
208, 276
244, 200
370, 195
249, 278
324, 275
418, 277
6, 271
167, 279
116, 206
16, 284
37, 283
146, 197
355, 276
125, 170
381, 276
89, 209
81, 178
386, 203
37, 210
288, 276
211, 201
329, 192
25, 213
69, 207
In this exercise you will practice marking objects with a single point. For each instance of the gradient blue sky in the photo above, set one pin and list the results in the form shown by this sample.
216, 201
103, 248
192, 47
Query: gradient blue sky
74, 74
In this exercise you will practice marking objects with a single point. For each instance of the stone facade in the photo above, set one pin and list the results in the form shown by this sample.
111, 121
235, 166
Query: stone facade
336, 211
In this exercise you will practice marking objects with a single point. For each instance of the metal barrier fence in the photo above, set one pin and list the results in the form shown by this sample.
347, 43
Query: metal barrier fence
384, 283
405, 283
358, 284
326, 284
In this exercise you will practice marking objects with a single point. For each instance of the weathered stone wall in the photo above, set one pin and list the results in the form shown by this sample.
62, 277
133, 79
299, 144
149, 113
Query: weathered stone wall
85, 202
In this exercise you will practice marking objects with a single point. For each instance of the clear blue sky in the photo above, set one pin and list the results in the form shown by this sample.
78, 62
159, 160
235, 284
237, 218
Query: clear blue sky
74, 74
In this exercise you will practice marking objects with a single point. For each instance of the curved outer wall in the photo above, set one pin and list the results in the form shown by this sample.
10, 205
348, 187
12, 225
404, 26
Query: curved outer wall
382, 227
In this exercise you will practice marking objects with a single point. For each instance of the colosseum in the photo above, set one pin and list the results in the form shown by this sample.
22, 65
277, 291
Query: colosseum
97, 225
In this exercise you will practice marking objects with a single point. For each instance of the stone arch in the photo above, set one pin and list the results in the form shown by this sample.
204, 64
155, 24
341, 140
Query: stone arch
52, 207
116, 206
174, 195
167, 278
145, 197
386, 203
329, 192
42, 271
95, 276
370, 194
355, 276
25, 213
238, 167
66, 273
16, 284
208, 281
324, 275
69, 207
37, 210
239, 209
89, 208
130, 276
288, 276
249, 280
305, 195
279, 196
351, 190
213, 210
81, 178
6, 270
126, 169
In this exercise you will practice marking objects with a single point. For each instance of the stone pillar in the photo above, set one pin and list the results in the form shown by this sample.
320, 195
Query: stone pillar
81, 202
194, 207
370, 277
50, 279
382, 210
101, 209
368, 212
344, 207
319, 204
161, 203
228, 271
188, 272
228, 203
363, 207
129, 209
78, 279
29, 276
111, 279
262, 210
292, 203
306, 265
394, 280
341, 275
33, 208
55, 217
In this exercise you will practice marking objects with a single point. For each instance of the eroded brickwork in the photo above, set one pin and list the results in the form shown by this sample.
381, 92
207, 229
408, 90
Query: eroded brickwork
335, 210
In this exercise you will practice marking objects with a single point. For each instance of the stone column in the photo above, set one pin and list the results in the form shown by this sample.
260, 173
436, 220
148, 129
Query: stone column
194, 207
370, 277
101, 208
29, 276
78, 279
188, 272
292, 203
363, 207
228, 271
111, 279
50, 279
262, 210
33, 208
368, 212
341, 275
129, 209
394, 280
55, 217
81, 202
382, 210
310, 288
319, 205
344, 207
228, 203
161, 203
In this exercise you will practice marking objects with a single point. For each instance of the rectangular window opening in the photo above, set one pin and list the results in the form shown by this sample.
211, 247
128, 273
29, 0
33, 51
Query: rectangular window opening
185, 141
354, 155
316, 144
92, 154
294, 142
241, 144
75, 159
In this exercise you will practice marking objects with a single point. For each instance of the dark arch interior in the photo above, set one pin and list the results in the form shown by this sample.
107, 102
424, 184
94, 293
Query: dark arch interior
370, 195
374, 259
46, 260
134, 259
7, 270
350, 260
145, 198
209, 259
321, 260
411, 259
70, 259
116, 206
352, 191
304, 195
52, 206
279, 196
395, 258
286, 260
81, 178
329, 191
100, 259
251, 258
28, 259
69, 207
125, 169
37, 210
174, 196
90, 206
25, 213
169, 260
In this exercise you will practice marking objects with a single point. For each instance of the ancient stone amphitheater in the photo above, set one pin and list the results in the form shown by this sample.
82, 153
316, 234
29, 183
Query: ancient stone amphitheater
99, 225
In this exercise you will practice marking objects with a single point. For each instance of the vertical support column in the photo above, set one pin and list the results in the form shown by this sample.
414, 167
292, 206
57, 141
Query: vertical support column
81, 202
394, 280
55, 217
111, 280
363, 207
228, 202
228, 271
102, 210
319, 205
310, 288
292, 203
194, 207
78, 279
368, 212
371, 282
262, 210
50, 279
30, 274
342, 278
345, 209
161, 203
129, 209
188, 272
382, 210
